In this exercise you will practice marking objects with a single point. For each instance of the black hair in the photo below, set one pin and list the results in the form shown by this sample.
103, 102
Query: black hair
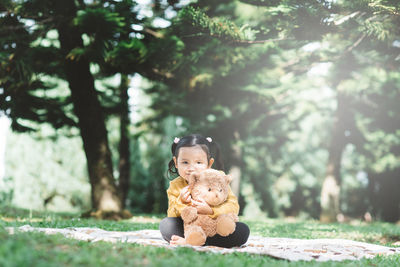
211, 148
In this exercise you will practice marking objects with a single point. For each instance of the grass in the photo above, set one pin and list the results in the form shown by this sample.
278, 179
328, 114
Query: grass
36, 249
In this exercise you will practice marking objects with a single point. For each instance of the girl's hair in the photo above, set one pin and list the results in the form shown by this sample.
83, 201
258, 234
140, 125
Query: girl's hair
207, 144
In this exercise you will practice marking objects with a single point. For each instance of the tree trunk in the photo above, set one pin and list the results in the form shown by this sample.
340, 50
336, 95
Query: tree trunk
90, 115
235, 167
235, 172
330, 193
124, 155
262, 186
383, 194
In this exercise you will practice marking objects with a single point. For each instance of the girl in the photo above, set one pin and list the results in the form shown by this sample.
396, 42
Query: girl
193, 153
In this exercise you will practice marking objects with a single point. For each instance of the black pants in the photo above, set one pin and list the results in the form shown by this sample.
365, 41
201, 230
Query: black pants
174, 226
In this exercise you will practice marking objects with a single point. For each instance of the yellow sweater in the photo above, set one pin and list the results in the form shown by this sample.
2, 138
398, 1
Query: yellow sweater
175, 204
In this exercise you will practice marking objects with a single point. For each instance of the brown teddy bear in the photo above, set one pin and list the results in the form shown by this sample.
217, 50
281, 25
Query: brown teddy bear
213, 187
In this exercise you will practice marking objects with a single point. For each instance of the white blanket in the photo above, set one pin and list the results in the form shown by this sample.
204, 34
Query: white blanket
282, 248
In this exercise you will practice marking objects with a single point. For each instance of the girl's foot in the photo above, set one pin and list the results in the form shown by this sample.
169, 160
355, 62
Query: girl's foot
177, 240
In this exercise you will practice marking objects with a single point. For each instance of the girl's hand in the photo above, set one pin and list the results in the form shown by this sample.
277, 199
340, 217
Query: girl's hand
185, 195
202, 207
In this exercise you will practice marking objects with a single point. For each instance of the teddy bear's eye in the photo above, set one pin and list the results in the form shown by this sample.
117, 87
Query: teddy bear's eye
209, 189
220, 190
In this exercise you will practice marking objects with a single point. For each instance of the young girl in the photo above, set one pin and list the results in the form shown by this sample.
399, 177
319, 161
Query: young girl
193, 153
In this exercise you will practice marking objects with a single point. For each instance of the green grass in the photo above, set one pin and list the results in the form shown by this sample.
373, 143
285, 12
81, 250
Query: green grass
36, 249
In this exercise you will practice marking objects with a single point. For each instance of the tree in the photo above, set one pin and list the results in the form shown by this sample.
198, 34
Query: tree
204, 75
369, 29
236, 70
27, 58
200, 82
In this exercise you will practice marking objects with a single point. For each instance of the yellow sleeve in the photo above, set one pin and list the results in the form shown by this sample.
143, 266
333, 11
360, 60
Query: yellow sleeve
175, 205
231, 205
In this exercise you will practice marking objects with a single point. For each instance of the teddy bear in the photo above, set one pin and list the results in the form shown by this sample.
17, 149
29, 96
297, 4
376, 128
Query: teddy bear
213, 187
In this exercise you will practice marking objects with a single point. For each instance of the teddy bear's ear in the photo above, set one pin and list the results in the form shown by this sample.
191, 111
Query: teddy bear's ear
228, 178
194, 177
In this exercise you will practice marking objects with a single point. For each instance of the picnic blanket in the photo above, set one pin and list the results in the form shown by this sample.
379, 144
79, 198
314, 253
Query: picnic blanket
281, 248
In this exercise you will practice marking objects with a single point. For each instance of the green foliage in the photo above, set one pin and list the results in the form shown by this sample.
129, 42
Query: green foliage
101, 26
203, 24
262, 78
47, 172
17, 98
7, 190
99, 22
124, 53
266, 100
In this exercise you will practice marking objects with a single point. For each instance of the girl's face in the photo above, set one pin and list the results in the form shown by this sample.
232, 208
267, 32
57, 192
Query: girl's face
191, 159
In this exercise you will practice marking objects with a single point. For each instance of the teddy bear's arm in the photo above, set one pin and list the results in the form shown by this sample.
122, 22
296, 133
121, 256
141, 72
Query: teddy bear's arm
231, 205
189, 214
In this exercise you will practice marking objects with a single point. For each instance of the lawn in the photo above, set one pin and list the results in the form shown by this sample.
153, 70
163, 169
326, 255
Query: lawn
36, 249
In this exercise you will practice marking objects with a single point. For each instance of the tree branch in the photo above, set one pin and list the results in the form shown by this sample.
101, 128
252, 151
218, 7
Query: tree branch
350, 48
246, 42
266, 3
346, 18
13, 28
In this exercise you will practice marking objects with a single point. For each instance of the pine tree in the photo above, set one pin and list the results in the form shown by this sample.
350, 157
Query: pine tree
42, 39
214, 85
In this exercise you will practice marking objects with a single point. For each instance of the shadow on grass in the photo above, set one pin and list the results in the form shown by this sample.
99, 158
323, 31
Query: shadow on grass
8, 211
12, 212
16, 217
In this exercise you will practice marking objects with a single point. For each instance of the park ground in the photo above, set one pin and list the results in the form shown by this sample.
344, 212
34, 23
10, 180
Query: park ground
36, 249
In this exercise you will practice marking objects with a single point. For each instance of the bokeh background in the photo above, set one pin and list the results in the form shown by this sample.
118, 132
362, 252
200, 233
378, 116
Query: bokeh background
303, 98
